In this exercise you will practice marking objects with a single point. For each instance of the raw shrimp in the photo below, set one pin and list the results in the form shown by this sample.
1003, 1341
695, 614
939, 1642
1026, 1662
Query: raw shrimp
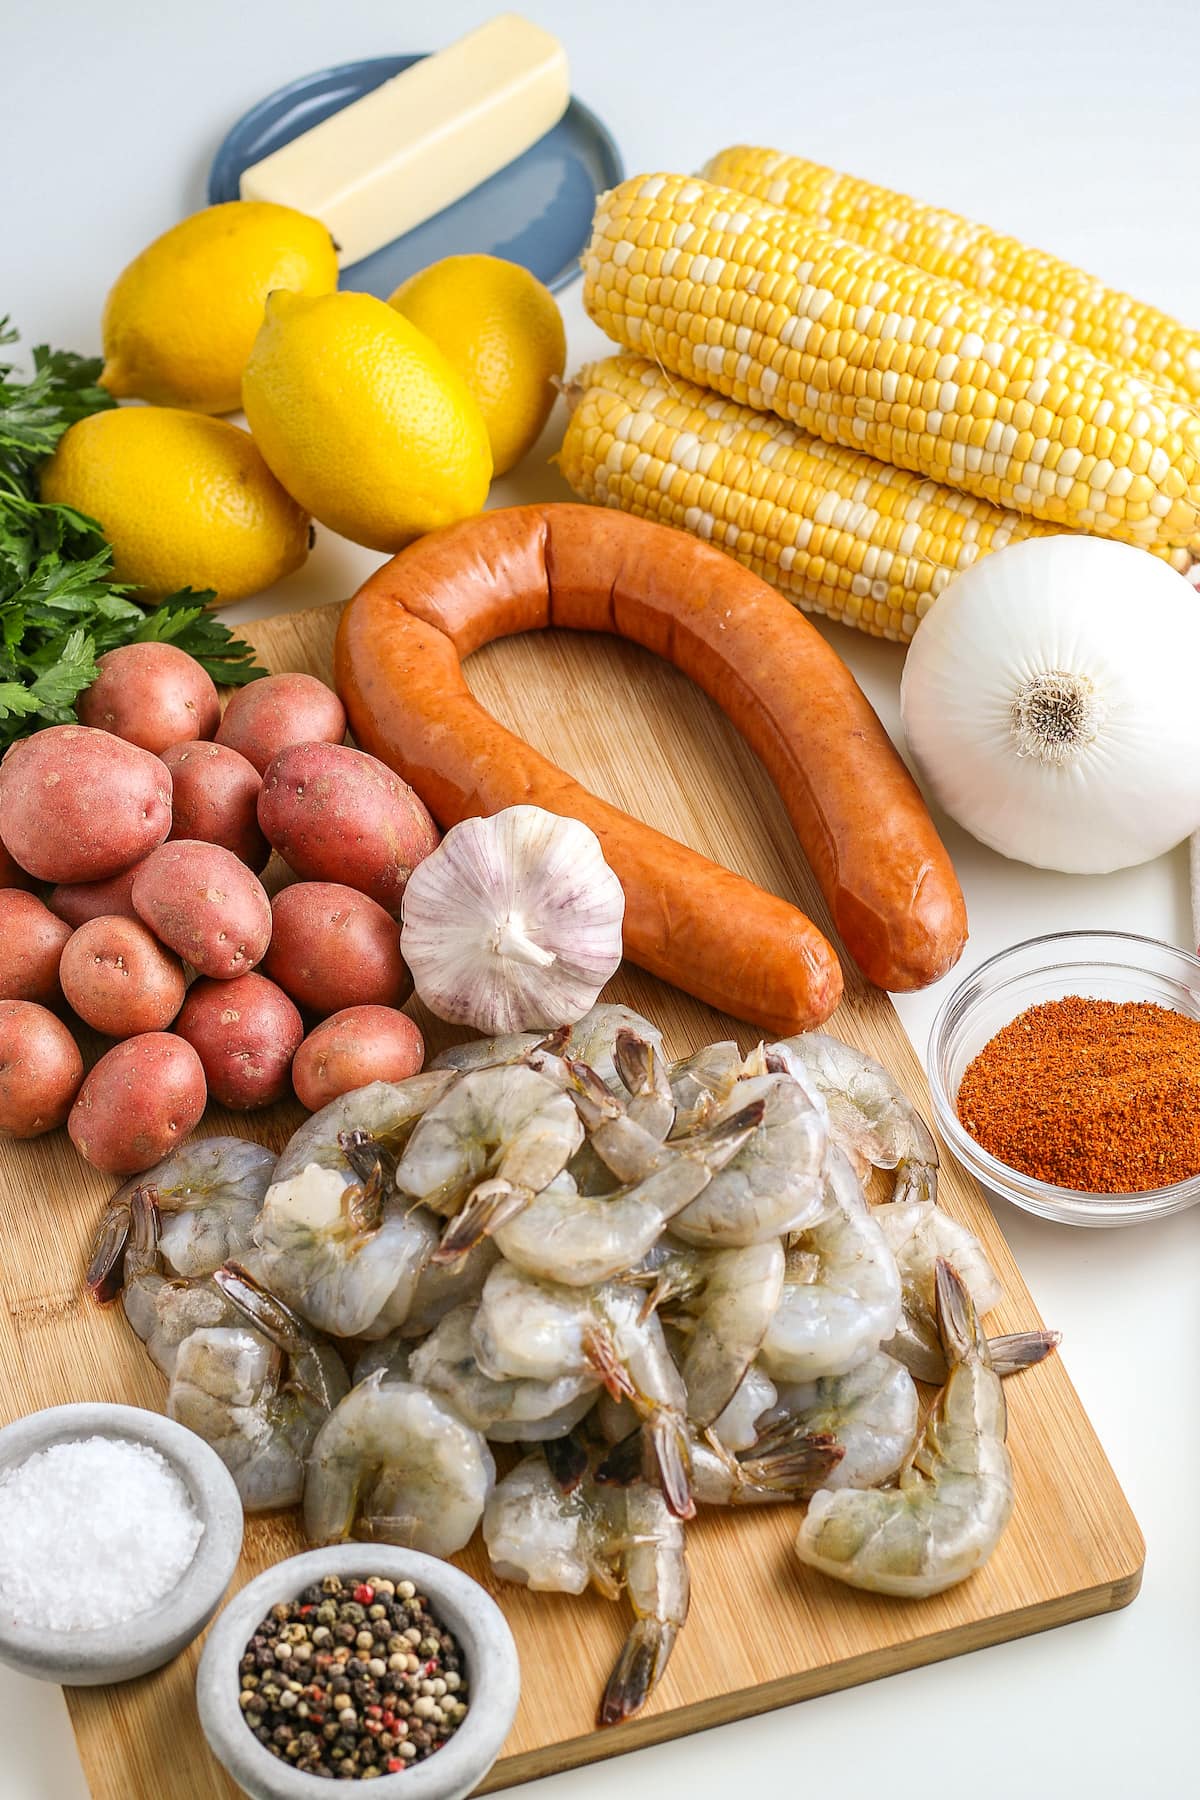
506, 1411
591, 1039
729, 1298
918, 1233
345, 1258
258, 1392
700, 1082
644, 1073
208, 1194
380, 1115
395, 1465
653, 1571
390, 1354
737, 1426
872, 1412
542, 1330
955, 1496
546, 1538
794, 1464
486, 1148
846, 1301
443, 1286
774, 1184
579, 1239
165, 1311
872, 1121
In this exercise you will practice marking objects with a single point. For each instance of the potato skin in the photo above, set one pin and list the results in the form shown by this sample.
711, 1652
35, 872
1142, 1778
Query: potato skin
353, 1047
204, 904
31, 943
79, 901
81, 805
245, 1033
151, 695
333, 812
215, 800
138, 1102
266, 716
40, 1069
119, 979
332, 947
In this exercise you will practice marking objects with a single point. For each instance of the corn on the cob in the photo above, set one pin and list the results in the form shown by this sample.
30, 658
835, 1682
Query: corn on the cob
1036, 286
863, 350
835, 531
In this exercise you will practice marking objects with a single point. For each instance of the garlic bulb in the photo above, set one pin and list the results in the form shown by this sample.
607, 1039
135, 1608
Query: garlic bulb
1050, 701
513, 922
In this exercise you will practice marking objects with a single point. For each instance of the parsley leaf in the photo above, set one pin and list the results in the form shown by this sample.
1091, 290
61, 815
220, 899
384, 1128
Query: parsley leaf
59, 606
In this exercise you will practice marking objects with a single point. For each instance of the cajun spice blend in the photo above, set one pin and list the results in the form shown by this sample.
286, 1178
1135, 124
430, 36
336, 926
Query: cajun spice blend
1099, 1095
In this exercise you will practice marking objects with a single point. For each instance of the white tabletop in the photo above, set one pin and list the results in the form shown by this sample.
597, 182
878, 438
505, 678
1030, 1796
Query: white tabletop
1070, 125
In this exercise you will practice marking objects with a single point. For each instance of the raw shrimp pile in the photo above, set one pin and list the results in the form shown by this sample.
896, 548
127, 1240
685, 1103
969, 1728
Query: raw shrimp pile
662, 1281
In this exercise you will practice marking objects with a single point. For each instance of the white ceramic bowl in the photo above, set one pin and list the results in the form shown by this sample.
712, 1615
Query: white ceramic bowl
153, 1637
1101, 965
470, 1614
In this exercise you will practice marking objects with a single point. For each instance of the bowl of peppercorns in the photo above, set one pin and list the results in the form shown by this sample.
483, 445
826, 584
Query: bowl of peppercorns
359, 1662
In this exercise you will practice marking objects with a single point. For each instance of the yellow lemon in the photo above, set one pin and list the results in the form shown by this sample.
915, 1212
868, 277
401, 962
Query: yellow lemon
363, 420
180, 320
504, 334
184, 501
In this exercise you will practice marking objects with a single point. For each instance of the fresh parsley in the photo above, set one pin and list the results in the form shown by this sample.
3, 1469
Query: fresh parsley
59, 606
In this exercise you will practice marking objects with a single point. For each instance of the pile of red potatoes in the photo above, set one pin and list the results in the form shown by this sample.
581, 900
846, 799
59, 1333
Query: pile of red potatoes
131, 846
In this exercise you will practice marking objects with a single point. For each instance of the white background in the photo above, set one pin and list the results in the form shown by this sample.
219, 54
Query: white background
1074, 126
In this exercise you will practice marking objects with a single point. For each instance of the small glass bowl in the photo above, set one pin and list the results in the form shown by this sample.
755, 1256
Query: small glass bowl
1100, 965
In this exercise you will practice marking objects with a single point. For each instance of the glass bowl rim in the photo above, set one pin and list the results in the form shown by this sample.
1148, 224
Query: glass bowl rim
1012, 1183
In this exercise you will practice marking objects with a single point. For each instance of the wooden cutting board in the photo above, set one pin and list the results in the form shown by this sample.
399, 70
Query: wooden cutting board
763, 1631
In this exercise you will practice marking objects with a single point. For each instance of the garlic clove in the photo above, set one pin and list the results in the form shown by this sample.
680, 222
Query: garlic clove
513, 922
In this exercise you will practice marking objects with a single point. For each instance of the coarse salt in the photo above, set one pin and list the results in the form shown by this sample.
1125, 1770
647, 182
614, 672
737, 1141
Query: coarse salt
92, 1532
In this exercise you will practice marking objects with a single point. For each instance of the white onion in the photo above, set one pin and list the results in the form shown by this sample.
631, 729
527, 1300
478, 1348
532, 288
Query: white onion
1051, 700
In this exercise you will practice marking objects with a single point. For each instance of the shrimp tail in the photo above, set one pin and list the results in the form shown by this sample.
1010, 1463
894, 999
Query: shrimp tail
673, 1460
1022, 1350
490, 1206
567, 1461
915, 1180
625, 1463
962, 1335
106, 1263
793, 1462
637, 1671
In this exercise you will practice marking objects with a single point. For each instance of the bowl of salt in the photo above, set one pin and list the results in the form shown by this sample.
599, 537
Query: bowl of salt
119, 1533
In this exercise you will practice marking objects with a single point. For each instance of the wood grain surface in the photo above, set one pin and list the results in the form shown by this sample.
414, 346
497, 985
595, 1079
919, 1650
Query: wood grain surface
763, 1631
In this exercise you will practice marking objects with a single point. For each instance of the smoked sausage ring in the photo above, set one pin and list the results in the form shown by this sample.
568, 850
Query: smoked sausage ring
855, 808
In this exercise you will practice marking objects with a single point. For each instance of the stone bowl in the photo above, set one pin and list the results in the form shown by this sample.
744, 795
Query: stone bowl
493, 1675
109, 1653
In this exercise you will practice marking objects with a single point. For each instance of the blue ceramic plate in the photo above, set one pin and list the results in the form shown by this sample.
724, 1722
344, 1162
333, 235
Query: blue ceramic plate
537, 211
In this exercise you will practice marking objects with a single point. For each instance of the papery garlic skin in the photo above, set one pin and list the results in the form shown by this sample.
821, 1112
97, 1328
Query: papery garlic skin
1051, 703
513, 923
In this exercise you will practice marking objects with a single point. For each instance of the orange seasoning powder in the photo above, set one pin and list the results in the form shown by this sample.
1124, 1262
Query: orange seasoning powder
1092, 1094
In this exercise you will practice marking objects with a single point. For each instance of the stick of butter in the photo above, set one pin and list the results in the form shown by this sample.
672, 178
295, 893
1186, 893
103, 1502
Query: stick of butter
423, 139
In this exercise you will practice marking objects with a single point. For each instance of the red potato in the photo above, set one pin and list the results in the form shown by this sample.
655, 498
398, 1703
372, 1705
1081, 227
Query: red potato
245, 1033
116, 975
204, 904
332, 947
79, 901
334, 813
31, 943
12, 875
139, 1101
266, 716
358, 1045
81, 805
215, 800
151, 695
40, 1069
